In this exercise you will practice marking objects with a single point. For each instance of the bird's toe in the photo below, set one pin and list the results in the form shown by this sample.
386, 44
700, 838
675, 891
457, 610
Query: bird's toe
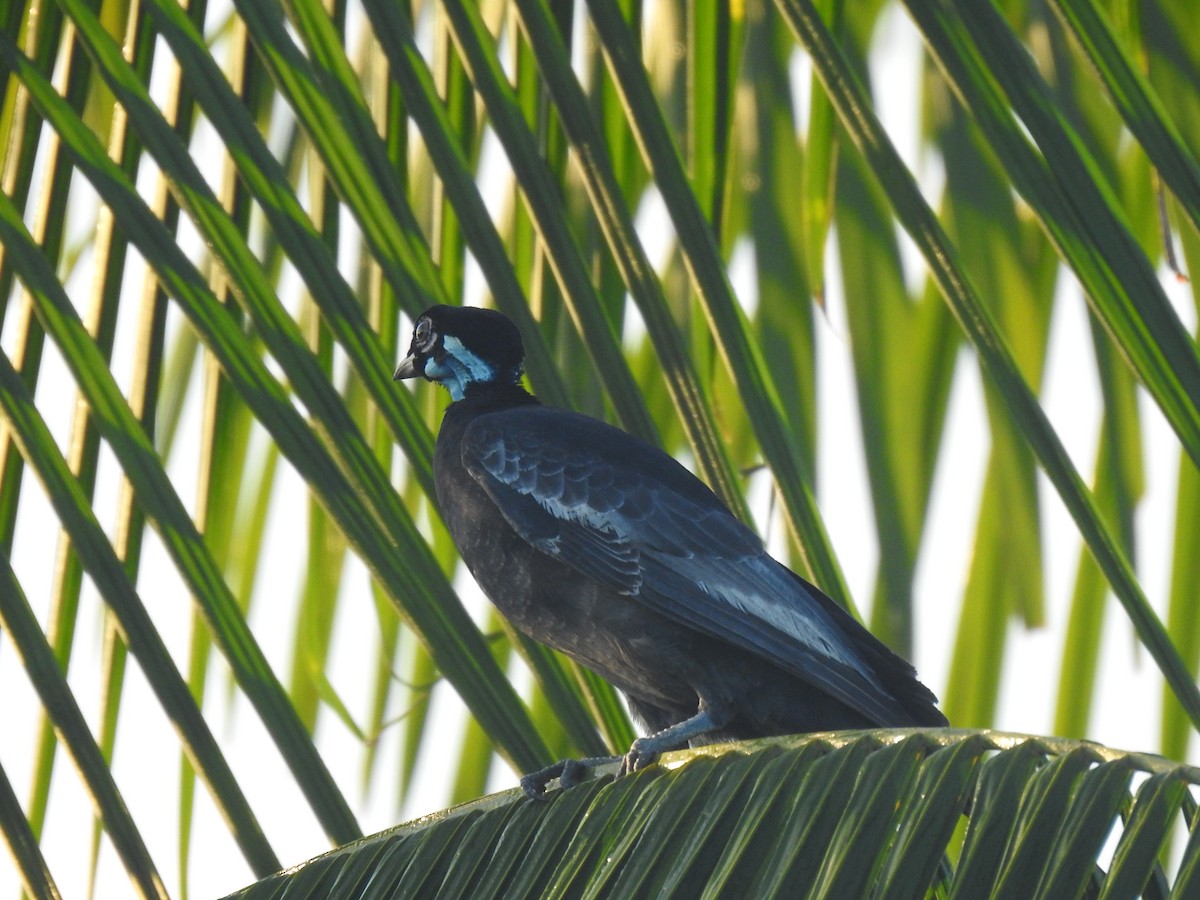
569, 773
534, 784
641, 754
573, 772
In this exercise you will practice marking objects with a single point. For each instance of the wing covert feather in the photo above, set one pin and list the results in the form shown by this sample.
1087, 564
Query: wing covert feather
623, 513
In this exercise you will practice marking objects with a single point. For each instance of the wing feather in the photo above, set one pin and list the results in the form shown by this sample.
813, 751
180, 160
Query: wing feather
628, 516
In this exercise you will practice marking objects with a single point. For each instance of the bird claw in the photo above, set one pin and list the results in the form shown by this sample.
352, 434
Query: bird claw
534, 784
569, 773
640, 756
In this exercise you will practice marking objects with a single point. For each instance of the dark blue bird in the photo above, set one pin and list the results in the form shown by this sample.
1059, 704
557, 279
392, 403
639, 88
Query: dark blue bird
602, 546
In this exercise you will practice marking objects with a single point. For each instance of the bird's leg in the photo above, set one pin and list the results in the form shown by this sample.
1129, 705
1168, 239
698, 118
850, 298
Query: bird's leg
569, 773
646, 749
642, 753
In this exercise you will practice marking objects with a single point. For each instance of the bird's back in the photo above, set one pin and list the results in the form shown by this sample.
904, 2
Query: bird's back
600, 545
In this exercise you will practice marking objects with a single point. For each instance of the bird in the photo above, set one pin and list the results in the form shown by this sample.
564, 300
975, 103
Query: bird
604, 547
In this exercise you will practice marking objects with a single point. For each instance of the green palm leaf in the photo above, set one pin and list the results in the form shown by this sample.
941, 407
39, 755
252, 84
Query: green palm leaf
857, 815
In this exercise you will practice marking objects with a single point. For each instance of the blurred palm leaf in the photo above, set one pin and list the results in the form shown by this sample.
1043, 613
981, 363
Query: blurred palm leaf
318, 173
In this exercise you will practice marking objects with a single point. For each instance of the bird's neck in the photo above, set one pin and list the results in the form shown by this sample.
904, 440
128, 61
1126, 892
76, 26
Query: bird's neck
493, 395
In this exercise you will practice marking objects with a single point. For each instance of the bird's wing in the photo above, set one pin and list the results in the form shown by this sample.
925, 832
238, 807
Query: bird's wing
628, 516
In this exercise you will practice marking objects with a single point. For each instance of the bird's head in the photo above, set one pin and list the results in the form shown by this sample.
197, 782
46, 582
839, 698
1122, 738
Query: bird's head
458, 346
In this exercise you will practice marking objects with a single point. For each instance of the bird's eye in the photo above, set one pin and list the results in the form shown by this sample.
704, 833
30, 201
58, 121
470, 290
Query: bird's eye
423, 337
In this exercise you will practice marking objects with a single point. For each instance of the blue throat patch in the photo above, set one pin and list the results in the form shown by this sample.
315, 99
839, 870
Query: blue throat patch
458, 368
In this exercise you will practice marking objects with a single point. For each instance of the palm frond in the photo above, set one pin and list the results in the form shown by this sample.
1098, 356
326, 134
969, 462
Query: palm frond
885, 814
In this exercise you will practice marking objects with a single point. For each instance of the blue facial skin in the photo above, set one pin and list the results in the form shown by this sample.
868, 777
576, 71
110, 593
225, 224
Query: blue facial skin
458, 368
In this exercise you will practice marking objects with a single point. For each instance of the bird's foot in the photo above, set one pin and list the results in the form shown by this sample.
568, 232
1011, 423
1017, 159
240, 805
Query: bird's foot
642, 753
645, 750
569, 773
